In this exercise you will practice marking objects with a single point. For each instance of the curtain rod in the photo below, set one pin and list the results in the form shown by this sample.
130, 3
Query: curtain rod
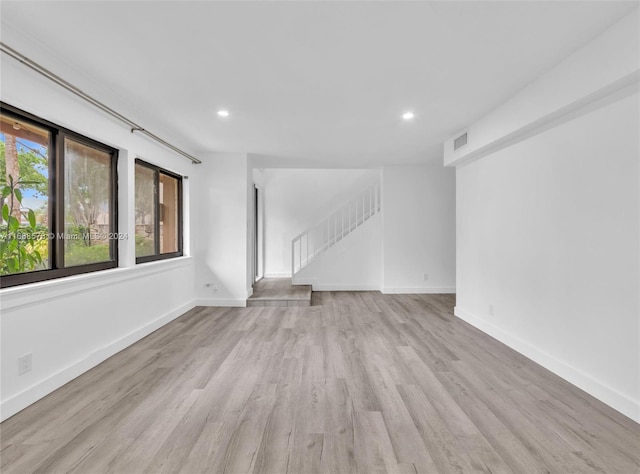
83, 95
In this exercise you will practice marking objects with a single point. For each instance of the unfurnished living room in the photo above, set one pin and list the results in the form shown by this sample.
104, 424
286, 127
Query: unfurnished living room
320, 237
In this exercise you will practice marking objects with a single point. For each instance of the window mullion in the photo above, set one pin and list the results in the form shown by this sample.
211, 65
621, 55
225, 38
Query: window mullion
156, 204
58, 223
180, 242
113, 209
51, 205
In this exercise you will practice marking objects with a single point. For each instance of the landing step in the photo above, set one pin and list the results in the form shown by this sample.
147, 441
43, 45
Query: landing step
278, 292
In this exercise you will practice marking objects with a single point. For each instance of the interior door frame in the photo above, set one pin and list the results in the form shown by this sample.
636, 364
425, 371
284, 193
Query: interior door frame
258, 232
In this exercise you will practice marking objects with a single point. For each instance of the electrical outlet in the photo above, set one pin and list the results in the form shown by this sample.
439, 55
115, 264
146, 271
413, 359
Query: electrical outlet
491, 310
24, 364
426, 276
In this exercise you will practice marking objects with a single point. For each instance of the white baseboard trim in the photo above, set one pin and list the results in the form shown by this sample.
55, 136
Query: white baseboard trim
342, 287
226, 302
616, 400
23, 399
419, 291
277, 275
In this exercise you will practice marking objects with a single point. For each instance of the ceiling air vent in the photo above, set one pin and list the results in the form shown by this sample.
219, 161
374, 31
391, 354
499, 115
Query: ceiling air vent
460, 141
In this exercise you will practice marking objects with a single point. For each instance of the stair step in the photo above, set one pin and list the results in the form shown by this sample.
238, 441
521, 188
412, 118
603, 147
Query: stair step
252, 303
279, 292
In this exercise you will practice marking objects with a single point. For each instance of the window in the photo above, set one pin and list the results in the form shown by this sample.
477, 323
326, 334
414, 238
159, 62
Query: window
58, 201
158, 213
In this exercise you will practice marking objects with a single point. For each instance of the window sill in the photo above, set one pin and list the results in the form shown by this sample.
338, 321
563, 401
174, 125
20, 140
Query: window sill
16, 296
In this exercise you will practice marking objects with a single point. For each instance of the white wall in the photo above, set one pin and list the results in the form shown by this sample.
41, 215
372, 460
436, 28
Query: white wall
418, 233
296, 199
220, 223
414, 235
354, 263
548, 235
548, 219
69, 325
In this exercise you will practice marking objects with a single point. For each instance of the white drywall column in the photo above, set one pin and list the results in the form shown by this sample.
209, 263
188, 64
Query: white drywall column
126, 207
220, 221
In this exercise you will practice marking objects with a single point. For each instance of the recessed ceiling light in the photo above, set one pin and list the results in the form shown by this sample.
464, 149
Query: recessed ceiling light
223, 113
408, 116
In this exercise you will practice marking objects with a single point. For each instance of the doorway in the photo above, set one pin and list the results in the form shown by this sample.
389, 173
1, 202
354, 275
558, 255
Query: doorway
258, 234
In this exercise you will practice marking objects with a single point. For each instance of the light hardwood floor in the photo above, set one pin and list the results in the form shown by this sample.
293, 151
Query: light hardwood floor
359, 382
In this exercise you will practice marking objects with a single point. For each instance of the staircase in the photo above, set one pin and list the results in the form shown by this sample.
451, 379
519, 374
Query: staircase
278, 292
316, 240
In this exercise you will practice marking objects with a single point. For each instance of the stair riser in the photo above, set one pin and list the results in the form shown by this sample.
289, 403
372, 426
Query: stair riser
277, 303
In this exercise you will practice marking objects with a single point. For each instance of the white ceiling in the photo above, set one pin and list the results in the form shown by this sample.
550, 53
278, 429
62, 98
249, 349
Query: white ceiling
320, 81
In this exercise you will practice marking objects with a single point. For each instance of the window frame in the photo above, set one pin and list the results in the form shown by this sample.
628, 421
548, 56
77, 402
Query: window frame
55, 208
157, 170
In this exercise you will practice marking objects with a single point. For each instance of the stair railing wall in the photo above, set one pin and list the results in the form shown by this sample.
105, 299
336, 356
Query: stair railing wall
318, 239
